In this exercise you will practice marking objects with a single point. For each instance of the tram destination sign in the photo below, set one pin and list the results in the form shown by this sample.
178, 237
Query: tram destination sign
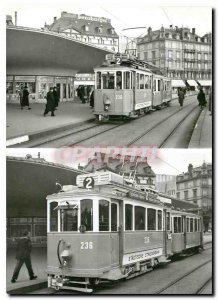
145, 196
142, 255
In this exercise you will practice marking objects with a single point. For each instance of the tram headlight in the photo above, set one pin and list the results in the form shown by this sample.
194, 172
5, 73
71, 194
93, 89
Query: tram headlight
106, 102
66, 255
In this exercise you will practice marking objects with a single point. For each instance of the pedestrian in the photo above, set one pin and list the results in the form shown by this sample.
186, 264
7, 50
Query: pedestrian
56, 96
25, 98
21, 96
181, 96
50, 106
92, 99
201, 98
23, 252
83, 94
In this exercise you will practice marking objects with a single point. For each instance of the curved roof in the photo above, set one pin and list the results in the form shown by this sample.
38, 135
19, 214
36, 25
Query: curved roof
39, 52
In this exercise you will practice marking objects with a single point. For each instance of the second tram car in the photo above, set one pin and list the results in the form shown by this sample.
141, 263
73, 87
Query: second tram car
127, 87
105, 230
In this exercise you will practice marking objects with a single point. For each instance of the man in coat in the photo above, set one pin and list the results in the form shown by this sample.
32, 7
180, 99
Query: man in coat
23, 252
25, 99
181, 96
50, 106
56, 96
201, 98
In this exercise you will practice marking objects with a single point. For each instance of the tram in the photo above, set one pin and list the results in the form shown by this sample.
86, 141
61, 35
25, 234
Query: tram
106, 229
127, 87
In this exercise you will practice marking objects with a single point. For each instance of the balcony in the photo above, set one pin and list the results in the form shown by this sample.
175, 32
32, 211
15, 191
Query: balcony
190, 50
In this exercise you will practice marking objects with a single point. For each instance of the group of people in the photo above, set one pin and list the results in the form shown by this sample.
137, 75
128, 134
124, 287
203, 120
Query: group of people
201, 97
52, 101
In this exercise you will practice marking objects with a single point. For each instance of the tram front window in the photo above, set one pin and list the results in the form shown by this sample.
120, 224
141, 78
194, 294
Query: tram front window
108, 81
69, 219
119, 80
87, 214
103, 215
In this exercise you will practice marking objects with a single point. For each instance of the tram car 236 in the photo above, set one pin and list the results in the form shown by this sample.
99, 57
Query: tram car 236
105, 229
126, 87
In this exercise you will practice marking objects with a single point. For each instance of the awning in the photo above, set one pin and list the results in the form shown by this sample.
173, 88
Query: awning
205, 82
192, 83
178, 83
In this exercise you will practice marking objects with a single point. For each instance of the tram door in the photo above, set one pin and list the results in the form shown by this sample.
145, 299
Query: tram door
167, 233
114, 236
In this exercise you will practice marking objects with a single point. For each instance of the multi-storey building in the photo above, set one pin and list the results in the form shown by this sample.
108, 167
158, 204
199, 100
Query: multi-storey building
93, 30
195, 186
179, 52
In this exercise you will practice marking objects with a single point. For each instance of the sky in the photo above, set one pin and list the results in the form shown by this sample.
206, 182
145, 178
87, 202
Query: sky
163, 161
123, 13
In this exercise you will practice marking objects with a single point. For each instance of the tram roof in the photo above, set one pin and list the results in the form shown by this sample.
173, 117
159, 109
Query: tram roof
39, 52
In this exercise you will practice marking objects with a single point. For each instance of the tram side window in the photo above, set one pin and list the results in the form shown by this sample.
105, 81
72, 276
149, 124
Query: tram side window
147, 82
159, 220
98, 80
127, 81
151, 219
69, 219
154, 85
137, 81
177, 224
103, 215
196, 225
191, 225
187, 225
119, 80
53, 217
128, 217
139, 218
87, 214
158, 85
113, 217
142, 82
167, 221
199, 225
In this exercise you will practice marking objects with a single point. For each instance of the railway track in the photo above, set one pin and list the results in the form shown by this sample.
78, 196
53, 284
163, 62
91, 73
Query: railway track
139, 137
171, 284
135, 139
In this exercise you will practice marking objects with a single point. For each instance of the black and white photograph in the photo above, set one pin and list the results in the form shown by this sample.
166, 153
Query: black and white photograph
100, 220
109, 147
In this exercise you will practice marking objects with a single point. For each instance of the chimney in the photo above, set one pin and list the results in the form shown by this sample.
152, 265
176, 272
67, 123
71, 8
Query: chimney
15, 18
55, 19
193, 31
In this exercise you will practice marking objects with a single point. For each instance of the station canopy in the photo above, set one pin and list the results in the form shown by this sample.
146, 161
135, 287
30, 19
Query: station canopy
178, 83
205, 82
192, 83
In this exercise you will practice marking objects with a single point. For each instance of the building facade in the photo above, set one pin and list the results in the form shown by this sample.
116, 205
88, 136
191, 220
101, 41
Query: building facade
179, 52
88, 29
195, 186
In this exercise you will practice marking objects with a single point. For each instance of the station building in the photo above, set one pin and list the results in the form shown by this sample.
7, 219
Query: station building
41, 58
28, 182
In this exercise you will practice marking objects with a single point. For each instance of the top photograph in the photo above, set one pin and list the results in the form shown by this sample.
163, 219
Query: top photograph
110, 74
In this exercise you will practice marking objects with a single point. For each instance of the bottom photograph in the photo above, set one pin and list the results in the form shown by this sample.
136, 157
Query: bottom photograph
109, 221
